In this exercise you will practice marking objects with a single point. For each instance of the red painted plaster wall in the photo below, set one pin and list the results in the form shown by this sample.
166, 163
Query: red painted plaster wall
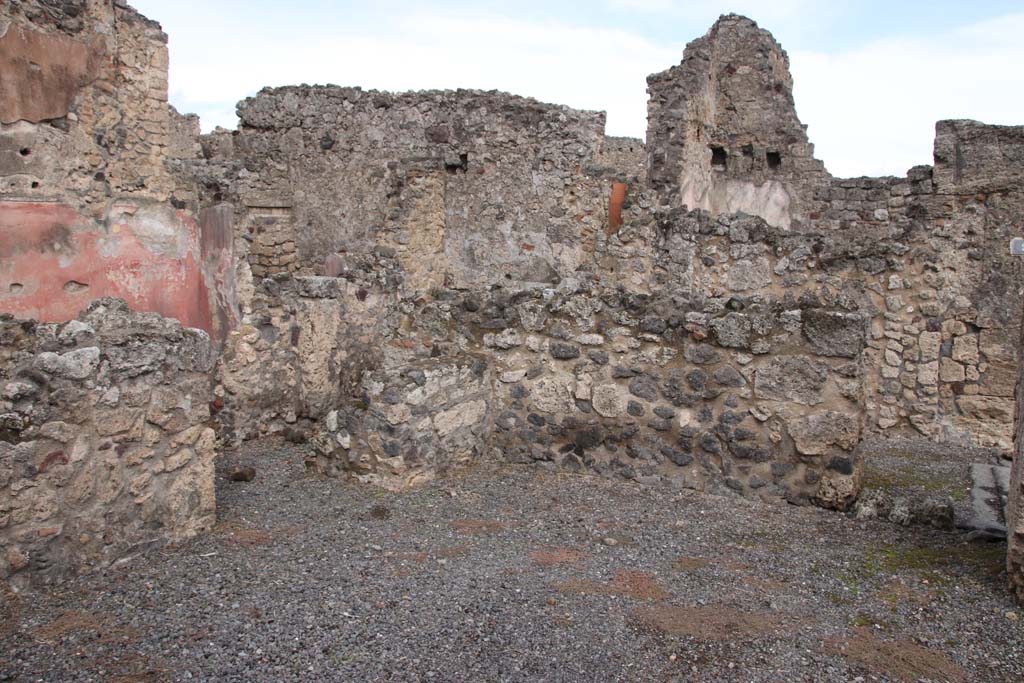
54, 261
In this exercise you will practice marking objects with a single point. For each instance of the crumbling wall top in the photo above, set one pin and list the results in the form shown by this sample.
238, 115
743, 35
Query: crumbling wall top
312, 105
971, 156
723, 133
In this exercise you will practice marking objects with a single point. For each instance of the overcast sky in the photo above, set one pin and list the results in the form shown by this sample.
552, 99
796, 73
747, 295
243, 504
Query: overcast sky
871, 77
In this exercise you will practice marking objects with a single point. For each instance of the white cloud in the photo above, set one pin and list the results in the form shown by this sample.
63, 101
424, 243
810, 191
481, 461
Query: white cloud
589, 68
765, 12
872, 110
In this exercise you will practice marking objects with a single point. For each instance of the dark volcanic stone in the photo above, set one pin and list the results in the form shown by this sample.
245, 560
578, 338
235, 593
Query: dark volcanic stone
697, 379
664, 412
835, 334
677, 456
644, 387
242, 474
563, 351
701, 354
589, 437
710, 443
622, 372
660, 425
653, 325
728, 376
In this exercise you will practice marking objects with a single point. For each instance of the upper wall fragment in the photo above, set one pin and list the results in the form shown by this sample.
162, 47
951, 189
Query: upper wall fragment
971, 156
469, 188
722, 129
88, 205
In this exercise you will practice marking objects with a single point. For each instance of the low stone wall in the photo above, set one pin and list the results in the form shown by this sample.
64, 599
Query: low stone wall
738, 364
414, 423
299, 352
735, 371
105, 447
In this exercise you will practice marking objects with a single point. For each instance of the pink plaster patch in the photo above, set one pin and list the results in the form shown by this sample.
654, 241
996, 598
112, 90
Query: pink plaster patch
55, 261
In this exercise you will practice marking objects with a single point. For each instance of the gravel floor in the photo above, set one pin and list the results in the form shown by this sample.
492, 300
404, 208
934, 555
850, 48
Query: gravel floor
516, 574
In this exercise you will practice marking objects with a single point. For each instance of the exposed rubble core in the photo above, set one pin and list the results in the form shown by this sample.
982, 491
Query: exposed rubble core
104, 444
415, 281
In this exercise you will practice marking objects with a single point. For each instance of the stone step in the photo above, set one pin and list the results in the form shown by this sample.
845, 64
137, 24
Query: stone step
990, 486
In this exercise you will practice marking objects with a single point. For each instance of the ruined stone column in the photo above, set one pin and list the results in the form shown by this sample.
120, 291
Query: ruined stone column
1015, 522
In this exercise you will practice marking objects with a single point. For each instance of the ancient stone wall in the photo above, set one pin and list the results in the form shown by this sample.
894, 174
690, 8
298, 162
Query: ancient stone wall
105, 447
724, 367
337, 181
722, 374
723, 135
416, 280
469, 188
411, 423
964, 280
87, 203
944, 345
299, 353
1015, 505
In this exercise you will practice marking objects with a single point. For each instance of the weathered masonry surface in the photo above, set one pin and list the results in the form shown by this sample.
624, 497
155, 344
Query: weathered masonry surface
414, 281
105, 444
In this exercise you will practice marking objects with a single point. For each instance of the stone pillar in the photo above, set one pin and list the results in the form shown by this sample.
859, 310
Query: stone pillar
1015, 522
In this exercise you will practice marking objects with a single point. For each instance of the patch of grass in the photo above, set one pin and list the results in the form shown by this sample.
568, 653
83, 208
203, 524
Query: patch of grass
937, 561
840, 600
863, 620
959, 494
851, 582
904, 477
937, 565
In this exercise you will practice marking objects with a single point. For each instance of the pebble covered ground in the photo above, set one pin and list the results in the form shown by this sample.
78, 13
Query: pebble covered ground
508, 573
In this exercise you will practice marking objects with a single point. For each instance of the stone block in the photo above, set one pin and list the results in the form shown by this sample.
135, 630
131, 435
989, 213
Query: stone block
799, 379
817, 433
951, 371
834, 333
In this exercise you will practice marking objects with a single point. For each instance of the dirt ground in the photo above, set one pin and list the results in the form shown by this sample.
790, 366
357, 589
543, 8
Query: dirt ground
519, 574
